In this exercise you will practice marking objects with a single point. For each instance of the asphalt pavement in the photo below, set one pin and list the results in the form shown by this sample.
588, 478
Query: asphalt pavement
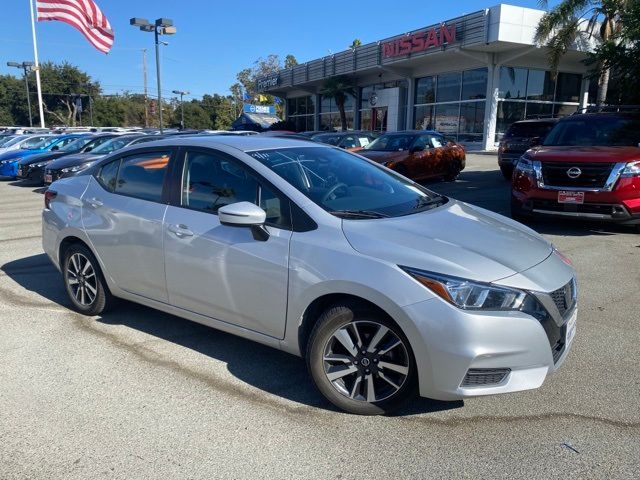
141, 394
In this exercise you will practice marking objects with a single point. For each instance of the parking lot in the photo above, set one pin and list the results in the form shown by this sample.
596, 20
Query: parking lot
142, 394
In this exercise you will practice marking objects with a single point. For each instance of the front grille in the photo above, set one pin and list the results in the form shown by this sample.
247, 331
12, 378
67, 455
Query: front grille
606, 209
564, 298
593, 175
482, 377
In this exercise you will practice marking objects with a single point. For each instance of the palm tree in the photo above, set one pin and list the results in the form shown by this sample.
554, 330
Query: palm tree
338, 88
574, 20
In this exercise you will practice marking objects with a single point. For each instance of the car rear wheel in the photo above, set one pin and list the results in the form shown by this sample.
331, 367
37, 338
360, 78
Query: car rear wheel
454, 171
507, 172
360, 360
84, 282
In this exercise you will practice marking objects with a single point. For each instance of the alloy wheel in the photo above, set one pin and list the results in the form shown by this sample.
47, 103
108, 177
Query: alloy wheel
366, 361
81, 279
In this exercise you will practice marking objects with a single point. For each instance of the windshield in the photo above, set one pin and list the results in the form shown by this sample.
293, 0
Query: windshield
391, 143
42, 144
76, 145
529, 129
6, 139
112, 145
606, 131
345, 184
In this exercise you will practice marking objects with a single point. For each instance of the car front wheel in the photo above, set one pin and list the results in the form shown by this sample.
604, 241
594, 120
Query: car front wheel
360, 360
84, 282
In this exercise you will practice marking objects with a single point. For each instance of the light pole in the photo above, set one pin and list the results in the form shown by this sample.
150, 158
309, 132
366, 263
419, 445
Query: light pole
162, 26
181, 93
27, 67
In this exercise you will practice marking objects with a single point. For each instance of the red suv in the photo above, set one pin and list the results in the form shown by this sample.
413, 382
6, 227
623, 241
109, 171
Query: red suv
588, 167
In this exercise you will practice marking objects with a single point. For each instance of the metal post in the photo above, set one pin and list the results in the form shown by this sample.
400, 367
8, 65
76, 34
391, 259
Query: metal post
181, 111
146, 100
26, 83
155, 31
91, 111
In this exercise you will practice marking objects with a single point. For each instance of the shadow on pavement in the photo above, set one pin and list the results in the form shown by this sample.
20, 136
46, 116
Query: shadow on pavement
268, 369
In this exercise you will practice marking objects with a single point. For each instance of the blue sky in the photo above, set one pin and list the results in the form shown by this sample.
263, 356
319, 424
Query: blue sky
217, 38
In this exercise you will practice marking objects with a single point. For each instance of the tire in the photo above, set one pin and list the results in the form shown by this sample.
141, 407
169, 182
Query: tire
364, 390
85, 286
507, 172
454, 172
518, 215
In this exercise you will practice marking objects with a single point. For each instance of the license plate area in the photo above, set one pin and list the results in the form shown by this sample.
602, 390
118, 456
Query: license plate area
566, 197
48, 178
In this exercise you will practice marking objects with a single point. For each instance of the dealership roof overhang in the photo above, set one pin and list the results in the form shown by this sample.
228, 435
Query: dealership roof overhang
496, 35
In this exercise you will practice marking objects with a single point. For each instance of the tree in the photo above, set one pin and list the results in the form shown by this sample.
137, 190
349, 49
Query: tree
355, 44
290, 61
575, 20
338, 88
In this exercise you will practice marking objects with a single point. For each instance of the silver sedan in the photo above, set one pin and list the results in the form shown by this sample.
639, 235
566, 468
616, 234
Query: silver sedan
384, 287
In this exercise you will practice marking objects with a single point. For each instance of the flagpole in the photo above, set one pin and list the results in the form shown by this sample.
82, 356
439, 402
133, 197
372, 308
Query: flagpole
37, 65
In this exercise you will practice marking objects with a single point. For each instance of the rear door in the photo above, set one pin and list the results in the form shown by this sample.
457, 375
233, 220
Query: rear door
123, 210
220, 271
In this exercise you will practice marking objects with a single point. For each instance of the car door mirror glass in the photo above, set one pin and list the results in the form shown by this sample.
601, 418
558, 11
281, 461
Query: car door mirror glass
241, 214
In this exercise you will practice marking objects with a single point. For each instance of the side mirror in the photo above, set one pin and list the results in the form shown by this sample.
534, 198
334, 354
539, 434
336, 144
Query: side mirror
88, 149
54, 148
417, 148
245, 214
535, 141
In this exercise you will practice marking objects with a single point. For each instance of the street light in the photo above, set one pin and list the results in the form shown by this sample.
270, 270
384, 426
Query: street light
162, 26
28, 68
181, 93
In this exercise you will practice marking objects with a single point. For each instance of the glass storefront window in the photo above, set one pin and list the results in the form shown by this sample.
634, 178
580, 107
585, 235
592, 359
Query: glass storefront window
474, 84
365, 120
472, 117
564, 110
568, 87
426, 90
425, 117
513, 82
448, 87
509, 112
447, 118
540, 85
329, 104
292, 106
539, 109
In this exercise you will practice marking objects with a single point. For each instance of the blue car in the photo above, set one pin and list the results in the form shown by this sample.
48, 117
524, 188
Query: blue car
9, 160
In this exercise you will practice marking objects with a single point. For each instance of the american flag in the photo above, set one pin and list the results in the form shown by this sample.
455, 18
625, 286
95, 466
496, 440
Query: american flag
84, 15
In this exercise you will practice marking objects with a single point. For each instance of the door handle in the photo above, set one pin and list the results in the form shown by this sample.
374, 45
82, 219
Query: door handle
180, 231
95, 202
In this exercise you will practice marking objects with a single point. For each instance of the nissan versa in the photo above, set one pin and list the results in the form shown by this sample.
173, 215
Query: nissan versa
383, 286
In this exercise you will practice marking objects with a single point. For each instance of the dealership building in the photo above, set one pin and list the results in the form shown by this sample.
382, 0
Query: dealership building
469, 77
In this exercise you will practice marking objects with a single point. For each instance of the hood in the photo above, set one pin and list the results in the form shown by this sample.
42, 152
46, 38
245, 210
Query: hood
42, 157
73, 160
18, 154
382, 156
456, 239
585, 154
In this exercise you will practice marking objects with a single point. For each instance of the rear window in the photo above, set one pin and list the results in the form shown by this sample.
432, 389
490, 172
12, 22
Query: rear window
605, 131
529, 129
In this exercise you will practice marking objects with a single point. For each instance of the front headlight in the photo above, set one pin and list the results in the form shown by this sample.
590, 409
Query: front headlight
525, 165
75, 168
631, 170
8, 160
41, 164
467, 294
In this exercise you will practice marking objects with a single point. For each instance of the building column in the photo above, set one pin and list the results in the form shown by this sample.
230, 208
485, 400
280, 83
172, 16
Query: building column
356, 109
411, 95
584, 93
491, 107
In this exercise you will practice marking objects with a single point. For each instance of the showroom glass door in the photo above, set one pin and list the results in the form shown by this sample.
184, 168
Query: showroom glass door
379, 119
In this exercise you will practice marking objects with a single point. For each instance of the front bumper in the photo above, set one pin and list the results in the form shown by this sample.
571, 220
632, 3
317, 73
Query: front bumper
457, 341
29, 172
9, 169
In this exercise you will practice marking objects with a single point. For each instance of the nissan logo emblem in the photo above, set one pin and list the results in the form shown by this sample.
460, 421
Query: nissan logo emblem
574, 172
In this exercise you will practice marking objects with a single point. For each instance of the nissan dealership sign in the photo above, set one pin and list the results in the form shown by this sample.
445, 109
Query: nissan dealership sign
418, 42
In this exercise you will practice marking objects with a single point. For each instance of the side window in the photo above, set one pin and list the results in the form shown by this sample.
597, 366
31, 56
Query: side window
142, 175
278, 213
422, 142
210, 182
108, 175
348, 142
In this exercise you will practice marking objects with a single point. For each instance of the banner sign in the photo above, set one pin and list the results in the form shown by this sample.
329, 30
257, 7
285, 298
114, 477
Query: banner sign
269, 109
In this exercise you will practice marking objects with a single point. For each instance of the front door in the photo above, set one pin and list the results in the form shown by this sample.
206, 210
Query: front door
379, 119
123, 213
219, 271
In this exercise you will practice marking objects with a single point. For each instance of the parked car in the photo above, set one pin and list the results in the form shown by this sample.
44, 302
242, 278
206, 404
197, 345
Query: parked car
382, 285
520, 137
347, 140
32, 168
588, 168
70, 165
417, 154
9, 160
23, 141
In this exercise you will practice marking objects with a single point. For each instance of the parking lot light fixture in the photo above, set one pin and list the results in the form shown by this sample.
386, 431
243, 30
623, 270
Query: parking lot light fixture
162, 26
27, 67
182, 94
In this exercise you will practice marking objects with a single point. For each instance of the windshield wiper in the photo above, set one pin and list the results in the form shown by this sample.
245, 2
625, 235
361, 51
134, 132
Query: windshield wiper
429, 202
358, 214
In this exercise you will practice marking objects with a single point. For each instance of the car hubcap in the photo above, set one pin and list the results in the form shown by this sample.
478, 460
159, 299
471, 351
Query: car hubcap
366, 361
81, 279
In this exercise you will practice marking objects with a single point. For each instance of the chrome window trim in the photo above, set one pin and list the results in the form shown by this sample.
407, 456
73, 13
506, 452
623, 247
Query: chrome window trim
614, 175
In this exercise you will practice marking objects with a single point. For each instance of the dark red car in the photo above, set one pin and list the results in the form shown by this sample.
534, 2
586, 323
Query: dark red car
588, 168
417, 154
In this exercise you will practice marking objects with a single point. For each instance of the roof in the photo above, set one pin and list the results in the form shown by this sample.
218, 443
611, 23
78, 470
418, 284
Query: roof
244, 143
